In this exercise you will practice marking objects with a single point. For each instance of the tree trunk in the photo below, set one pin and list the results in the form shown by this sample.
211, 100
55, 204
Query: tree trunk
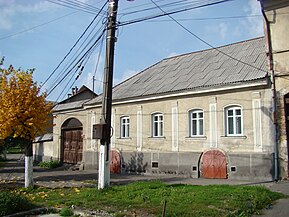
29, 165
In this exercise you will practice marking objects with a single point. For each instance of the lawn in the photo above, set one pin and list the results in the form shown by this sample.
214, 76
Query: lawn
149, 197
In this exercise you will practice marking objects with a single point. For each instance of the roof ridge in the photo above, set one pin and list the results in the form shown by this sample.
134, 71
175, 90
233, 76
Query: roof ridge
214, 48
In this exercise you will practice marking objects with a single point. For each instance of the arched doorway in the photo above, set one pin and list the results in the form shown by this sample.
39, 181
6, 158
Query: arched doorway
115, 162
214, 165
72, 141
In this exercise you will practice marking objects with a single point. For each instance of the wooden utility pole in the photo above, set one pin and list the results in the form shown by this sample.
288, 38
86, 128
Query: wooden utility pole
104, 150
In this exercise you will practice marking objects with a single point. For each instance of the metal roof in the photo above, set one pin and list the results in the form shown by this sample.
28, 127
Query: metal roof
45, 137
69, 105
227, 65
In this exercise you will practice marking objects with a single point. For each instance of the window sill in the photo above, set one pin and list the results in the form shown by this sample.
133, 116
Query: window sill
124, 138
159, 137
234, 137
196, 138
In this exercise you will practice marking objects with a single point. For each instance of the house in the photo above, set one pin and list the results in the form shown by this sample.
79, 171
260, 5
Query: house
216, 113
181, 116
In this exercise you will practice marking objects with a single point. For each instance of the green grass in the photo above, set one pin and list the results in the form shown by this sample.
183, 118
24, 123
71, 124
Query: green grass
15, 150
66, 212
149, 197
49, 164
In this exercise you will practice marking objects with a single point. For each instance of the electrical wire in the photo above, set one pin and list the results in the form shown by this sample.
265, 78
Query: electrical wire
205, 42
77, 5
73, 46
84, 55
166, 5
208, 18
37, 26
81, 66
97, 64
78, 52
175, 6
129, 22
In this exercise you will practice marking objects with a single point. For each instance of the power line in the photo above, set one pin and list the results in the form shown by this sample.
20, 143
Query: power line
80, 69
205, 42
166, 5
37, 26
209, 18
169, 13
77, 5
75, 56
74, 45
83, 56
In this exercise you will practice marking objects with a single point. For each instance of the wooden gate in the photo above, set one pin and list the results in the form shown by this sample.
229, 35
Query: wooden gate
214, 165
115, 162
73, 145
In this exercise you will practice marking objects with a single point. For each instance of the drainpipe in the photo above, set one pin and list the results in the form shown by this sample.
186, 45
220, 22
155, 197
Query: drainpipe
271, 68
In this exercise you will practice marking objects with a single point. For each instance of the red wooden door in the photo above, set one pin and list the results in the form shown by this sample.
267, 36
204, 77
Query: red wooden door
79, 149
214, 165
67, 137
73, 146
115, 162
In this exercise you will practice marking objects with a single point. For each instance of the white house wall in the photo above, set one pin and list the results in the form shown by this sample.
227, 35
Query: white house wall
250, 154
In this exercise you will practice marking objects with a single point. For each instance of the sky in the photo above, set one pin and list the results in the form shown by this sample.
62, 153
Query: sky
39, 34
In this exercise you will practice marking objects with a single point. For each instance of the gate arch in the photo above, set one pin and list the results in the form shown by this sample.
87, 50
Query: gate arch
71, 141
214, 165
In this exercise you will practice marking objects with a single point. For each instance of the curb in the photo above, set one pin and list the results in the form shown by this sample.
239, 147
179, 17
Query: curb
36, 211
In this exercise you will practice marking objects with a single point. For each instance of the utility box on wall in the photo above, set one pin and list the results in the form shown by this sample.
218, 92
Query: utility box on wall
98, 131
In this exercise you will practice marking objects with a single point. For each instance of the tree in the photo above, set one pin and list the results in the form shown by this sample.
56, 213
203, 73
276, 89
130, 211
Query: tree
24, 112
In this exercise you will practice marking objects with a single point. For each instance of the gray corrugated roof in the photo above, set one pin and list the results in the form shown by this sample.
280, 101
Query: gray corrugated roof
201, 69
45, 137
69, 105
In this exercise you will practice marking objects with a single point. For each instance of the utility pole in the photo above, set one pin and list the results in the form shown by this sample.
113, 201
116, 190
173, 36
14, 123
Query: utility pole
104, 150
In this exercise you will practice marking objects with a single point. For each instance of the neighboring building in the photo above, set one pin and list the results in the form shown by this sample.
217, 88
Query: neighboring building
276, 20
51, 146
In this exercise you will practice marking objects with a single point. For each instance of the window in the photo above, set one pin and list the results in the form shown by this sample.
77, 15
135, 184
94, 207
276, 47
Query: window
124, 127
196, 123
234, 123
157, 125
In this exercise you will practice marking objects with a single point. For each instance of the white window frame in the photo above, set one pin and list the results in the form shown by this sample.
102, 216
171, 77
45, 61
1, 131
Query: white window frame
124, 126
235, 120
198, 120
157, 126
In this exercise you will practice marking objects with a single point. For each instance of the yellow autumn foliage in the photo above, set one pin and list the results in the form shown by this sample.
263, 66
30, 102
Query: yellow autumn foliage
24, 112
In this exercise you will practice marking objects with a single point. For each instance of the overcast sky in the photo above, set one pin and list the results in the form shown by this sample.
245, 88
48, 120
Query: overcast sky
55, 28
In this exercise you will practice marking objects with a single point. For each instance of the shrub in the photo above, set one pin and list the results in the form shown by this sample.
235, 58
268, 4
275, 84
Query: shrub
66, 212
11, 203
49, 164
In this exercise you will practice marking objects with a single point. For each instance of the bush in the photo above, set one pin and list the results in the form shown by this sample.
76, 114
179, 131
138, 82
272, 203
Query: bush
49, 164
11, 203
66, 212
